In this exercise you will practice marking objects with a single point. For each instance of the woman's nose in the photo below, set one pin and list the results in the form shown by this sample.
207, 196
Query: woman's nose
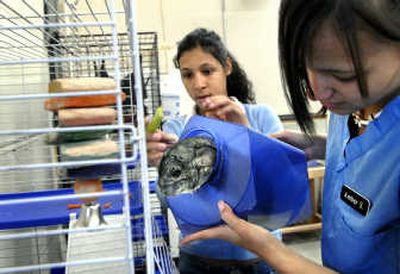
199, 81
322, 92
321, 86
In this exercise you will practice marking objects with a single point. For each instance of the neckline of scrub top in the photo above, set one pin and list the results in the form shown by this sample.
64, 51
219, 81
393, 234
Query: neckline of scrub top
374, 132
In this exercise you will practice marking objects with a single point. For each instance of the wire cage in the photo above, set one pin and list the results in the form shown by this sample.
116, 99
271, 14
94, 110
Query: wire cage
92, 46
100, 44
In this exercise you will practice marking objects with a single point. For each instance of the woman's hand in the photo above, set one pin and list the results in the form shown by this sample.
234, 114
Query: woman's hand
314, 146
157, 143
224, 108
259, 241
236, 231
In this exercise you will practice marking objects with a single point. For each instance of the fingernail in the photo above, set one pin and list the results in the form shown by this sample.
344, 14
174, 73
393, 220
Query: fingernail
163, 147
221, 205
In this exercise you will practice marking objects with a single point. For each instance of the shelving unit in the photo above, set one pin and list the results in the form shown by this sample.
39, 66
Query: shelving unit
46, 40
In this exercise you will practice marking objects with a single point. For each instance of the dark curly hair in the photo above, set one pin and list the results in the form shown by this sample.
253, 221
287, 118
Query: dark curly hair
238, 85
298, 22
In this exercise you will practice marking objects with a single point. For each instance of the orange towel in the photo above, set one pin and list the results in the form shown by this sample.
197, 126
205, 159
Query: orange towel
55, 104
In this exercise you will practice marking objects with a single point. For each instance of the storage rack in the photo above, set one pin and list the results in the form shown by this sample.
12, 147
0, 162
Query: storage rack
100, 44
40, 41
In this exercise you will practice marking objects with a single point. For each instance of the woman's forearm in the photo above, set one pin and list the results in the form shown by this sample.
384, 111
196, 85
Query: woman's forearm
317, 148
286, 261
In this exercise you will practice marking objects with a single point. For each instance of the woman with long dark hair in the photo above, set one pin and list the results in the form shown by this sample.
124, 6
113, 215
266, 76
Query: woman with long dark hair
221, 90
346, 55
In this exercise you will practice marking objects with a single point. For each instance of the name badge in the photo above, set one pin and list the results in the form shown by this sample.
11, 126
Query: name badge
354, 199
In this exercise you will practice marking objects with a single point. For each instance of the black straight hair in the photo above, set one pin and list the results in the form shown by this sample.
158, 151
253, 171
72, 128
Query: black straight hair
298, 22
238, 85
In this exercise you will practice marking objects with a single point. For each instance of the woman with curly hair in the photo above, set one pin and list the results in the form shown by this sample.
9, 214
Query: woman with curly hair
220, 89
218, 86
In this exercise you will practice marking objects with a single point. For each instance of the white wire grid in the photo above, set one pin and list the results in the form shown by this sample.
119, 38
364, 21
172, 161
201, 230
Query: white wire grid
33, 50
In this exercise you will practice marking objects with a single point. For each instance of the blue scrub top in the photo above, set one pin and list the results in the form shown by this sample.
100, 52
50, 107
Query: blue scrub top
368, 165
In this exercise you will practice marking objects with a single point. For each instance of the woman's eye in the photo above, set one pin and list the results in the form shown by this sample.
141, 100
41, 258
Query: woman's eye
346, 78
186, 75
207, 71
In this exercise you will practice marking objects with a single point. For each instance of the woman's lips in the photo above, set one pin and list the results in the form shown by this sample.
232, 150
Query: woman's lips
202, 99
329, 105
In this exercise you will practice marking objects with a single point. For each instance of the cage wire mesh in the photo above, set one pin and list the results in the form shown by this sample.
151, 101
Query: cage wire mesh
99, 44
42, 41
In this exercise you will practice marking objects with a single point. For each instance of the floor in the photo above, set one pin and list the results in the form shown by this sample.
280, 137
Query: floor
307, 244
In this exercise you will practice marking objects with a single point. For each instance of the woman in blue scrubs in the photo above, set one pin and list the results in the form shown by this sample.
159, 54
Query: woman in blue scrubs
346, 55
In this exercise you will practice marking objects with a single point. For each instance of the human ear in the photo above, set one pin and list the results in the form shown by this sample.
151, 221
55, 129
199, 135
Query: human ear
228, 66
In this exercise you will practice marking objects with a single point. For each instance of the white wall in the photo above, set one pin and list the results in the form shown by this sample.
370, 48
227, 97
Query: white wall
250, 34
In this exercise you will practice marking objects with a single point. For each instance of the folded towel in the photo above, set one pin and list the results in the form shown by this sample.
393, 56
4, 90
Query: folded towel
89, 150
96, 171
55, 104
81, 84
76, 136
86, 116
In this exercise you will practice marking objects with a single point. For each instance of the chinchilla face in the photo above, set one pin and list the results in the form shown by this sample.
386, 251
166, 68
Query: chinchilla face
186, 166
